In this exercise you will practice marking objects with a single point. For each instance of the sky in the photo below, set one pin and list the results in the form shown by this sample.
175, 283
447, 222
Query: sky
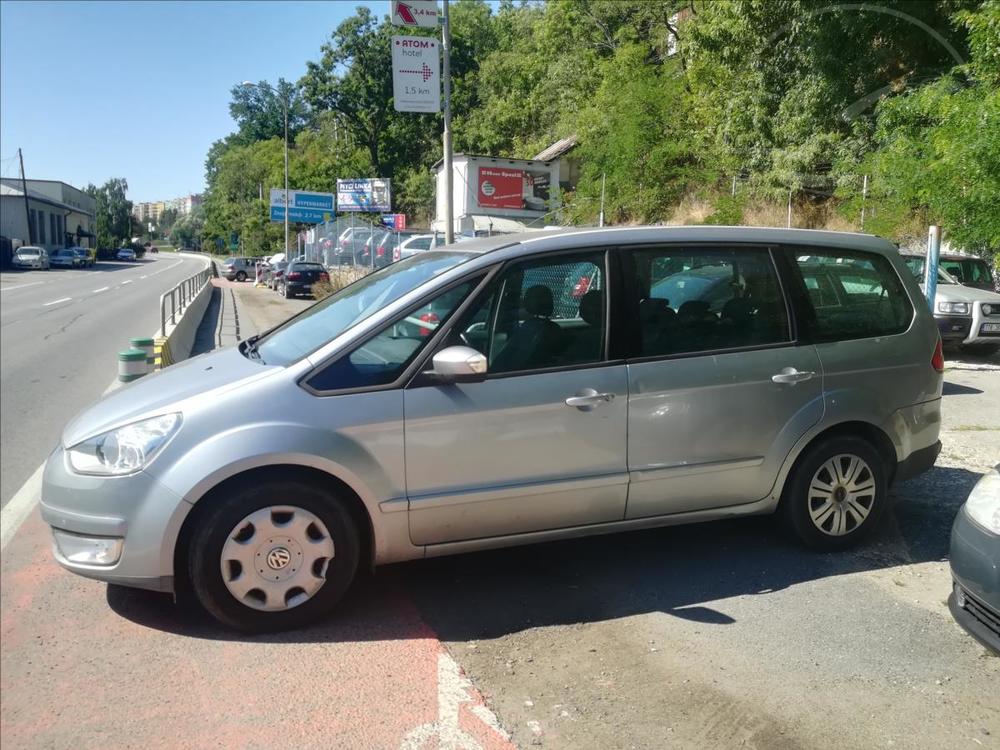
140, 90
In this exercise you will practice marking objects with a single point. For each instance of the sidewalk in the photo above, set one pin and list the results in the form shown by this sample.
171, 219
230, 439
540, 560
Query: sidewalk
238, 311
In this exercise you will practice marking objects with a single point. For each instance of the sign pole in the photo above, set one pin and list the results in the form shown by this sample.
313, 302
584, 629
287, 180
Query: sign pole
931, 265
449, 230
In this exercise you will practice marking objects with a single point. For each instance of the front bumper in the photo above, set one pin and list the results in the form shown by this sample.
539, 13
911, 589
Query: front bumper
975, 569
968, 329
137, 510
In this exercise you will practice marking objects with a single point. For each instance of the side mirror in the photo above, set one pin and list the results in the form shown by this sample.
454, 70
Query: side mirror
459, 364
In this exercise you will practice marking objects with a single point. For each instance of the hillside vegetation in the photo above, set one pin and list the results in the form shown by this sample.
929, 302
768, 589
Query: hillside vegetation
694, 112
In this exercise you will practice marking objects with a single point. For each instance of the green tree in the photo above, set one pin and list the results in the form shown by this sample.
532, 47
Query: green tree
113, 212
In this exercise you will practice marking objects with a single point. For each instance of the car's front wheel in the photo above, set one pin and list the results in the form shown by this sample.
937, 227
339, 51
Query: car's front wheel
274, 556
241, 276
836, 493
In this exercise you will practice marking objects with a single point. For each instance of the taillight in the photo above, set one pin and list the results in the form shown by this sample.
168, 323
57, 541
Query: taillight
396, 254
428, 318
295, 275
380, 253
324, 276
581, 287
937, 361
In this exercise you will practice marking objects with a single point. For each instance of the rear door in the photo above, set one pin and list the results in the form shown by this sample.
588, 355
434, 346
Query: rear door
719, 387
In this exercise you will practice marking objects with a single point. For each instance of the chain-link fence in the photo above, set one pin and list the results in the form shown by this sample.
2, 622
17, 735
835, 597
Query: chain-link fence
352, 241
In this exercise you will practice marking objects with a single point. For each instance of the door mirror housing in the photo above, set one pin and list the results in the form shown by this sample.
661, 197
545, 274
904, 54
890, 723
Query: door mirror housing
459, 364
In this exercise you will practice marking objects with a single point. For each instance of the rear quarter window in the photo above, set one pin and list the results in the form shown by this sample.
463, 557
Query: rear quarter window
852, 295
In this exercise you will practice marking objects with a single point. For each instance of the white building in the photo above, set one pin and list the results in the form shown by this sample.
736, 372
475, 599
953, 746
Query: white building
56, 215
494, 195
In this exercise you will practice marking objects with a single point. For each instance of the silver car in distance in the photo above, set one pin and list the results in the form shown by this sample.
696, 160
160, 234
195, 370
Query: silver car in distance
511, 390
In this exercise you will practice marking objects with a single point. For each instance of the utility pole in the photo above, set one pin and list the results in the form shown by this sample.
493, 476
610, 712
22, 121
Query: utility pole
600, 218
789, 221
284, 102
27, 211
449, 189
864, 196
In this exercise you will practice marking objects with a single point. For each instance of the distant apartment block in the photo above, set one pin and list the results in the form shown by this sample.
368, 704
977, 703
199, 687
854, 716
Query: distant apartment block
151, 211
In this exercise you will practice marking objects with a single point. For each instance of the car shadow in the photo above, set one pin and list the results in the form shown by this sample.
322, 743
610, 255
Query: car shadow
679, 571
954, 389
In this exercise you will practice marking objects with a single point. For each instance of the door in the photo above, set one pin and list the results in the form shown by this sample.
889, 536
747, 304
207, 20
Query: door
718, 390
540, 443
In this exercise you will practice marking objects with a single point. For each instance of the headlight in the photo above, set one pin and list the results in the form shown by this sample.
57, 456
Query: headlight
983, 505
125, 450
954, 308
988, 309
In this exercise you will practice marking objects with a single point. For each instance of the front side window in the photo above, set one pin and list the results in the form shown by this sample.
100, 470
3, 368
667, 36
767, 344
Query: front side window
540, 314
703, 299
384, 357
853, 295
324, 321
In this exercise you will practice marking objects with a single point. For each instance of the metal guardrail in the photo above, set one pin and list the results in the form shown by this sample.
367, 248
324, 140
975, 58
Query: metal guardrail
182, 295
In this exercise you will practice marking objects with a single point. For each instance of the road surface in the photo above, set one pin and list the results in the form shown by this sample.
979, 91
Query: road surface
60, 332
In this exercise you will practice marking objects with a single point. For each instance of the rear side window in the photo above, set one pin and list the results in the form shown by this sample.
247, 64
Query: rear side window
705, 299
853, 295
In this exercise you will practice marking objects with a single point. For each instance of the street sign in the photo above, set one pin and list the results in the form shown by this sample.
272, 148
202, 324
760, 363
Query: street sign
365, 195
416, 74
415, 13
305, 207
394, 221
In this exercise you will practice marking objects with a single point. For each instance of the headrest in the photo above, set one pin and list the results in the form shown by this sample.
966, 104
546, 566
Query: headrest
538, 300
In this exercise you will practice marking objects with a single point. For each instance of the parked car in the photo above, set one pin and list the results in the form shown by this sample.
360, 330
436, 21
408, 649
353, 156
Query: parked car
418, 243
439, 406
125, 253
239, 269
29, 256
975, 562
969, 270
64, 257
273, 274
85, 256
351, 244
299, 277
965, 315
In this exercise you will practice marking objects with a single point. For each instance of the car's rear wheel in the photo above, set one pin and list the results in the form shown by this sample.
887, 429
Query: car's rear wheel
836, 494
287, 292
241, 276
274, 556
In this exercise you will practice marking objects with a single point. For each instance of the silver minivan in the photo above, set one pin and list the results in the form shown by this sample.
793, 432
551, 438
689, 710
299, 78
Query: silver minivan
511, 390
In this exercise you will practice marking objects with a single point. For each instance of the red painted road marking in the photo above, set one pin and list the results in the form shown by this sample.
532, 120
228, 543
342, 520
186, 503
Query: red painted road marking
87, 665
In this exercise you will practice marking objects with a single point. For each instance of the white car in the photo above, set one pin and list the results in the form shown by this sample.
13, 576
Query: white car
31, 257
417, 244
965, 315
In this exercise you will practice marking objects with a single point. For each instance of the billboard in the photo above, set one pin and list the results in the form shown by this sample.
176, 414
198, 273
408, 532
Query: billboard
365, 195
519, 189
305, 207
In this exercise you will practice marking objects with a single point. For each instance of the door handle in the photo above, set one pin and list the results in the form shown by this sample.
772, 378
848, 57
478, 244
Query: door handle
792, 376
588, 398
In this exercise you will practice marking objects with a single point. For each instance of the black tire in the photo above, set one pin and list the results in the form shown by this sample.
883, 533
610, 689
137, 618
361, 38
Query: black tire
797, 499
287, 292
205, 554
241, 276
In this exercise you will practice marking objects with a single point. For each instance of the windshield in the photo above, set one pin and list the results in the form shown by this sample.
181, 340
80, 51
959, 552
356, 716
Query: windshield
28, 253
916, 266
326, 320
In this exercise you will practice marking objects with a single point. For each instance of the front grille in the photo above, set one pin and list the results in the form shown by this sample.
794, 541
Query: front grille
985, 615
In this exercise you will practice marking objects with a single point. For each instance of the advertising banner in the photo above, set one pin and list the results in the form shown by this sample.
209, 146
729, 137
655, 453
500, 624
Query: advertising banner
501, 188
364, 195
394, 221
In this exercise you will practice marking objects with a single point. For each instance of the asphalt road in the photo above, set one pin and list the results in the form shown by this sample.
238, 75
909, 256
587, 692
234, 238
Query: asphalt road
60, 332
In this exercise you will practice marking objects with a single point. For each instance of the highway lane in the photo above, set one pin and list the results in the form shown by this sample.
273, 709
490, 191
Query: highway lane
60, 331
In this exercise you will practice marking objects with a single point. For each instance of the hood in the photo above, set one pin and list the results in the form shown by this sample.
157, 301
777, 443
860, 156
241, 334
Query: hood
963, 293
166, 391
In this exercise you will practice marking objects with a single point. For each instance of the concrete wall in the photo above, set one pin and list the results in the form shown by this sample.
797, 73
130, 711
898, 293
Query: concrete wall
180, 336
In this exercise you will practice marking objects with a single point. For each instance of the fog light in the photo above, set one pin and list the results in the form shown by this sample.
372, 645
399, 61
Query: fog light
86, 550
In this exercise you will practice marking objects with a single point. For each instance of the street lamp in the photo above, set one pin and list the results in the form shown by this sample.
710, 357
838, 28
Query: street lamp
284, 106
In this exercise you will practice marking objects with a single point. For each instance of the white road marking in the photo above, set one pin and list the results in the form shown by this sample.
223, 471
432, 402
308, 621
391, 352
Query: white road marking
57, 301
102, 289
454, 689
20, 506
142, 277
20, 286
127, 282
